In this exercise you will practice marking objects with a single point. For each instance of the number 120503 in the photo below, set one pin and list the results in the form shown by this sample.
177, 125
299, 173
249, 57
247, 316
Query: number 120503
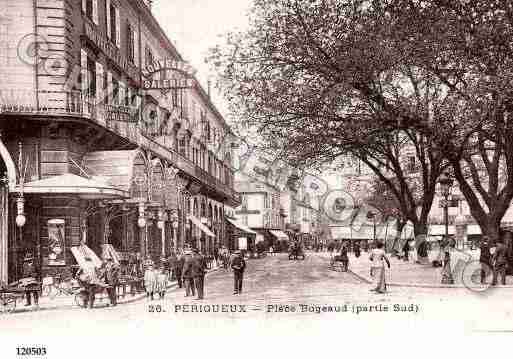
31, 351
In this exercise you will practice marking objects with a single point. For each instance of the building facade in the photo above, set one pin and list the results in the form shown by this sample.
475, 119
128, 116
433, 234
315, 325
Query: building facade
260, 209
106, 139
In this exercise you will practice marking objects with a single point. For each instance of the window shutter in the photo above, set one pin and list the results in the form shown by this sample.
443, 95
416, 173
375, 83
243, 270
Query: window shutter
95, 11
99, 83
118, 28
84, 74
107, 11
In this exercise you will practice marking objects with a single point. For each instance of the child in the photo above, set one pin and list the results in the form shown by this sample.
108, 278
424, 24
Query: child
161, 282
150, 280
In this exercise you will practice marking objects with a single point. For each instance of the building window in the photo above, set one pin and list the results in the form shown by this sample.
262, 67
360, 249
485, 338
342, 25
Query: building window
148, 56
91, 70
266, 200
113, 23
182, 147
130, 43
115, 91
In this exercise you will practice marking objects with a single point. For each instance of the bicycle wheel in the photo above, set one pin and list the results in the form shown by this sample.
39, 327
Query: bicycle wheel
7, 303
80, 299
46, 290
55, 292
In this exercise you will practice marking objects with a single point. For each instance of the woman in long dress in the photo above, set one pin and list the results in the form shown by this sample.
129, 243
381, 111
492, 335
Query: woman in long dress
378, 259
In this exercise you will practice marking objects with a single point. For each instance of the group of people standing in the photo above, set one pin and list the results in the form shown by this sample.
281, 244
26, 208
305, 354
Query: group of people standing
497, 258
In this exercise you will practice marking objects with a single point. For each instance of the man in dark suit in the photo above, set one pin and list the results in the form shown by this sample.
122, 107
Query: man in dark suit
485, 258
178, 263
499, 264
238, 266
112, 280
199, 268
187, 274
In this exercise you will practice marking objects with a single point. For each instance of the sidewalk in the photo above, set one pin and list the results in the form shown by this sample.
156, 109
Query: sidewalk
102, 301
410, 274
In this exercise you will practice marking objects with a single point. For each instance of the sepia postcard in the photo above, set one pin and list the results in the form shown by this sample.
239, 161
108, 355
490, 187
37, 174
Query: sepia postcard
251, 178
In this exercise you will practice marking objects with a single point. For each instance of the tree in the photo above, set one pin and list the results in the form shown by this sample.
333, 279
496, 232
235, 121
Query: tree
467, 45
318, 80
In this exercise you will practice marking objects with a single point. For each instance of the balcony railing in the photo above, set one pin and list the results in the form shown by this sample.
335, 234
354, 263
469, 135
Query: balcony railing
114, 117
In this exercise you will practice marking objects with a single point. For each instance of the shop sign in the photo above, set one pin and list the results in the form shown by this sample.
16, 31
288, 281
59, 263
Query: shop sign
168, 74
110, 50
56, 243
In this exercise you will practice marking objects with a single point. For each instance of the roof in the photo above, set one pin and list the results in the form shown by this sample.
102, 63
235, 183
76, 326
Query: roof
72, 184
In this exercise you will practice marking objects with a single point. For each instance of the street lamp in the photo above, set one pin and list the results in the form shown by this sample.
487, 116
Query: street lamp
446, 183
372, 215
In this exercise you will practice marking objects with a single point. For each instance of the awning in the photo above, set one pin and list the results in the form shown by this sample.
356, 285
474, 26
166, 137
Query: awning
201, 226
72, 184
109, 251
125, 170
473, 229
81, 253
280, 235
439, 230
241, 226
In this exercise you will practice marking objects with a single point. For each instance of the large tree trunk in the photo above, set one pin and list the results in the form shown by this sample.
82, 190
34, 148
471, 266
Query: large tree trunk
397, 244
420, 232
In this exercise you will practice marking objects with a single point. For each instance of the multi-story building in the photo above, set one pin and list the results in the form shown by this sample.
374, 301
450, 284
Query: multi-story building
260, 209
106, 137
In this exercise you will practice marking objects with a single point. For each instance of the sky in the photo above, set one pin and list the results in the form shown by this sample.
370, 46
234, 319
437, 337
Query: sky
194, 26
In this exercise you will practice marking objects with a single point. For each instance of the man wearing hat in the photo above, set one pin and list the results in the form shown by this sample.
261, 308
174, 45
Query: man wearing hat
111, 279
198, 269
485, 258
187, 273
238, 266
29, 280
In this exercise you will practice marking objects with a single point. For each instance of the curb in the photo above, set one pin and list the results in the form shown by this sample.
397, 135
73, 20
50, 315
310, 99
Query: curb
424, 285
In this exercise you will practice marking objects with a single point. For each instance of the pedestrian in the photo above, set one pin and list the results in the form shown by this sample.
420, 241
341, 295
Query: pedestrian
112, 280
344, 257
378, 258
29, 281
499, 260
178, 269
406, 250
198, 269
216, 256
485, 259
447, 277
150, 280
238, 266
357, 251
88, 279
161, 284
271, 251
187, 274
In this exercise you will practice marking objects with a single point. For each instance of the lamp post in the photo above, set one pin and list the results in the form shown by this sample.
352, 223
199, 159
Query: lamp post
141, 223
161, 224
446, 183
174, 221
372, 215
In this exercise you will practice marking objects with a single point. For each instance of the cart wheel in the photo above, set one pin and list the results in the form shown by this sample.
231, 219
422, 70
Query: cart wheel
7, 303
54, 293
79, 299
46, 290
